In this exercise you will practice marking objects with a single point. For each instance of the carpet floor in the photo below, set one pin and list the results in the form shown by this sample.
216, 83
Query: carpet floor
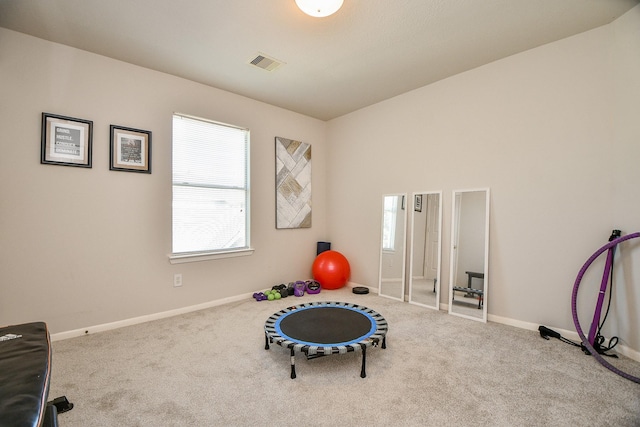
210, 368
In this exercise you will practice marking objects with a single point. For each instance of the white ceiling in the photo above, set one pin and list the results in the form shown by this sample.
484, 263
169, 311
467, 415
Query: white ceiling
369, 51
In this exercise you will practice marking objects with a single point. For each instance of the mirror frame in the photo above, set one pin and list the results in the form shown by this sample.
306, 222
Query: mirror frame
452, 259
412, 300
404, 247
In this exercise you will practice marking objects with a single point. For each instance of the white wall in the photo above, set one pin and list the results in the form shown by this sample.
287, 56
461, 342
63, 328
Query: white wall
83, 247
552, 131
624, 156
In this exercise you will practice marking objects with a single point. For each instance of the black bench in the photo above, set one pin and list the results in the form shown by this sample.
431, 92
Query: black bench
469, 291
25, 373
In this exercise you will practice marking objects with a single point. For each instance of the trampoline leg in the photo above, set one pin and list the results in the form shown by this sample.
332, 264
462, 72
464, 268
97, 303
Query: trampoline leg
266, 341
293, 364
384, 342
363, 372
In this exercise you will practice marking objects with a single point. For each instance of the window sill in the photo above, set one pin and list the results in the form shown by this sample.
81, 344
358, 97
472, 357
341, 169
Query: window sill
207, 256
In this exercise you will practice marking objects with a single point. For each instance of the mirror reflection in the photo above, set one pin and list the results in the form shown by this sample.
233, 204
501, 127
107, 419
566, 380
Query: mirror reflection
392, 246
425, 255
469, 254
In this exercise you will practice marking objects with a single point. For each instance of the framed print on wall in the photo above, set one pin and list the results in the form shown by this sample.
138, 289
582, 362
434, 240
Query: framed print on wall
418, 203
66, 141
293, 184
130, 150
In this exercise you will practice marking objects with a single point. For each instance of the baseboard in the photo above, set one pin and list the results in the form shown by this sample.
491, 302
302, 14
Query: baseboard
572, 335
628, 352
354, 284
162, 315
518, 323
148, 318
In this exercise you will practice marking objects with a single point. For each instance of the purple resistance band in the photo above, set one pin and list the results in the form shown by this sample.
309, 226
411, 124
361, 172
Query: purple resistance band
588, 343
595, 323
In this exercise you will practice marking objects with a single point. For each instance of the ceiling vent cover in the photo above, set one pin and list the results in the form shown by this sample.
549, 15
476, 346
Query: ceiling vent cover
265, 62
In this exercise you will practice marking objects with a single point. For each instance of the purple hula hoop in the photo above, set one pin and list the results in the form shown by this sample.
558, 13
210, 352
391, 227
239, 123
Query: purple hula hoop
574, 310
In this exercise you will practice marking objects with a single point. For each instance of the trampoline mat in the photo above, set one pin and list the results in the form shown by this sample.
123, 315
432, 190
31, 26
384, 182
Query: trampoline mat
326, 325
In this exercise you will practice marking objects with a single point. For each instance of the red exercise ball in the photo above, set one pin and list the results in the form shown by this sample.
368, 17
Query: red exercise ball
331, 269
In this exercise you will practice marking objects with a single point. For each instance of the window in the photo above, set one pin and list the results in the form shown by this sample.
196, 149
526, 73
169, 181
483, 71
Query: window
210, 187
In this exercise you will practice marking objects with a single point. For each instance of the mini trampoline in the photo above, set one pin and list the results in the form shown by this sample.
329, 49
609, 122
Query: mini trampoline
323, 328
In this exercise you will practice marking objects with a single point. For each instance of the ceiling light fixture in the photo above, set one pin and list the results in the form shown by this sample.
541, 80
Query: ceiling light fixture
319, 8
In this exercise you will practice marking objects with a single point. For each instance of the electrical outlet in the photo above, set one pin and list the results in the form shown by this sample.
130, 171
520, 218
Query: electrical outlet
177, 280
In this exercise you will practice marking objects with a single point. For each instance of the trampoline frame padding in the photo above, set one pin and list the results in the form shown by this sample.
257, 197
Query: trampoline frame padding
371, 331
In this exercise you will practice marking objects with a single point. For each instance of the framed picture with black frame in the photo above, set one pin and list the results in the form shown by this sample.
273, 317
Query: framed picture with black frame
130, 150
66, 141
418, 203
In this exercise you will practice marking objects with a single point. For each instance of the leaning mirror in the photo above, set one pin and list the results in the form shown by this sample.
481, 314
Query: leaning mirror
392, 246
469, 275
425, 254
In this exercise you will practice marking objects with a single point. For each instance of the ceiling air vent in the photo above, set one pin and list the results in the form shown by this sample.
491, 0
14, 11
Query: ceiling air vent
265, 62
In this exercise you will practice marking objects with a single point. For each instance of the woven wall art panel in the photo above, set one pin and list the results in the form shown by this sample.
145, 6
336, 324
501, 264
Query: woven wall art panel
293, 184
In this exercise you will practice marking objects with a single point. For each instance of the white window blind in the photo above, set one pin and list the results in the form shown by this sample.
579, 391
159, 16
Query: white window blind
210, 186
